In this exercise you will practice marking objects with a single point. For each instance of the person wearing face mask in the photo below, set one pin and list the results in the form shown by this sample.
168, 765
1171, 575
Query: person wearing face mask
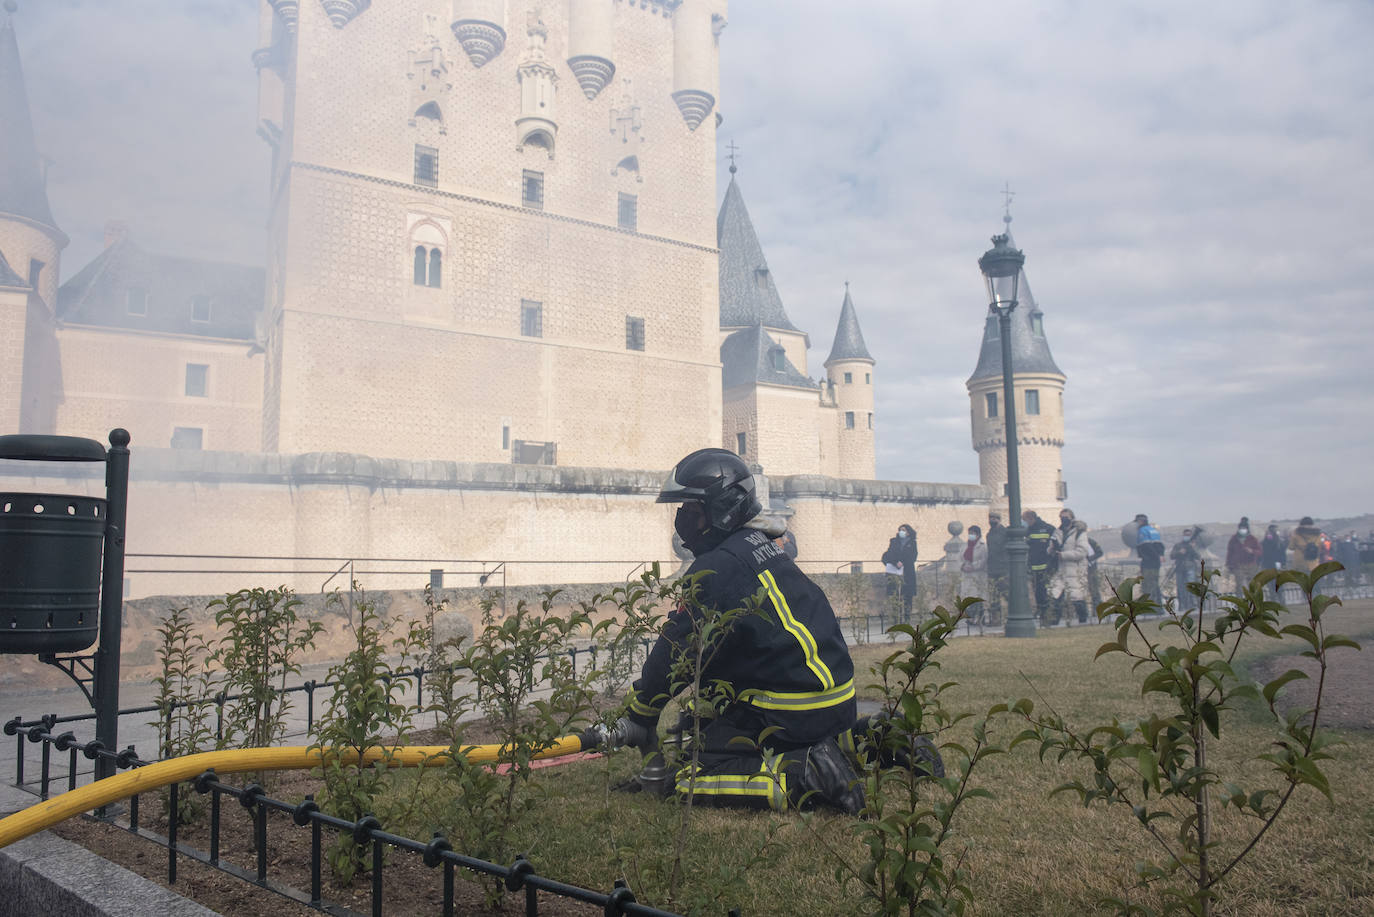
996, 541
974, 580
1187, 560
1070, 583
1273, 554
1347, 552
1039, 536
901, 554
1243, 555
788, 666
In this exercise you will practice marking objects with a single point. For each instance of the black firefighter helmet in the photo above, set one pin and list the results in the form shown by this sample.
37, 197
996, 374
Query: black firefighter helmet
718, 480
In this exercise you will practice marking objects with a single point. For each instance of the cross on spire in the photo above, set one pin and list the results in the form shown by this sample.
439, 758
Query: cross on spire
1008, 194
734, 152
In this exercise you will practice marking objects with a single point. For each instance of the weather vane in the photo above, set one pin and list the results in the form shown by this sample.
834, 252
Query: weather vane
1007, 193
734, 151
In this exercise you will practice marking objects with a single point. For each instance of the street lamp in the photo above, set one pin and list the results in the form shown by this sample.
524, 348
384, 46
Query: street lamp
1001, 267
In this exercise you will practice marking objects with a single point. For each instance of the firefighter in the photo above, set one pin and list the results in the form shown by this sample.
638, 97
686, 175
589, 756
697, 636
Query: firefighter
788, 665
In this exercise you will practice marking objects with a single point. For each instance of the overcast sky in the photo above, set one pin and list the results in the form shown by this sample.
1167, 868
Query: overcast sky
1194, 186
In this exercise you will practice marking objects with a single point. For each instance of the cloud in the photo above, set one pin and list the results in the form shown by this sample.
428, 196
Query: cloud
1192, 188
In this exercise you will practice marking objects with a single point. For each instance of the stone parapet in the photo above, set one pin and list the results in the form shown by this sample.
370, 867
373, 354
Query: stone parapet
920, 493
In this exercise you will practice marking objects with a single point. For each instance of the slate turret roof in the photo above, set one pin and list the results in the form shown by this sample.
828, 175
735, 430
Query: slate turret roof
1030, 350
167, 286
22, 190
849, 339
748, 295
8, 278
750, 356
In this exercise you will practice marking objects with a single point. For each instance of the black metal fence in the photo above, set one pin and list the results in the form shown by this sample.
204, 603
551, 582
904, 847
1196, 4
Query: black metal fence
366, 832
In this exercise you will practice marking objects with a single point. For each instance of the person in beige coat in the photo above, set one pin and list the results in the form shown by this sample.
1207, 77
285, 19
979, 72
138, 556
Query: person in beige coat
1070, 583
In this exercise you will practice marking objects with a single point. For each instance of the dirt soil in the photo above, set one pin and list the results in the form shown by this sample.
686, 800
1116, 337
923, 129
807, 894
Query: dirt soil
1347, 696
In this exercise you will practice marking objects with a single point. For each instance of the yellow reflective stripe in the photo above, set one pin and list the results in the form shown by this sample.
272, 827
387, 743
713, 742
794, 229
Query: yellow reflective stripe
798, 700
765, 784
643, 709
799, 631
846, 743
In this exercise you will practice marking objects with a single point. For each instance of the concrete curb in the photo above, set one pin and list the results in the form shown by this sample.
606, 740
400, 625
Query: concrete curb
44, 874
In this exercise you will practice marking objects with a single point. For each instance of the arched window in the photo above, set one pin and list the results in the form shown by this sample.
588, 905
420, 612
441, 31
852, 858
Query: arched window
430, 243
419, 265
436, 268
431, 111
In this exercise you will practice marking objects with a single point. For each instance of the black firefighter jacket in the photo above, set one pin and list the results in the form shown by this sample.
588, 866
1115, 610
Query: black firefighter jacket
790, 662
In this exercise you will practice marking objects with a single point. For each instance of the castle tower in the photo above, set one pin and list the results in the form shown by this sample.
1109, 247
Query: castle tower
465, 263
849, 369
30, 251
748, 294
1038, 386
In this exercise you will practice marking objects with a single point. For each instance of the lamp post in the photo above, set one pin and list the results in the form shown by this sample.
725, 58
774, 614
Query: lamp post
1001, 267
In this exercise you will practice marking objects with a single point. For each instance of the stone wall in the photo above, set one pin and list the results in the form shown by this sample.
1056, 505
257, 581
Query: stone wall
304, 518
116, 378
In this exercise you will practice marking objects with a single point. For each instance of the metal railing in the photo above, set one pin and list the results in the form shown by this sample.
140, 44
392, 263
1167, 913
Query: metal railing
365, 832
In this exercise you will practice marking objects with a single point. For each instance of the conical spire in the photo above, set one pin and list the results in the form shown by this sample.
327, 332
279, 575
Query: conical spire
1030, 350
849, 339
22, 192
747, 293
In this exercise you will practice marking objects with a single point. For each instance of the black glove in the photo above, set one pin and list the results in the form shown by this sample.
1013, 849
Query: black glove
624, 732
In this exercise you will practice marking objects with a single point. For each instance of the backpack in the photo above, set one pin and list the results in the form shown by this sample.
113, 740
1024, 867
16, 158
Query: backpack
1310, 552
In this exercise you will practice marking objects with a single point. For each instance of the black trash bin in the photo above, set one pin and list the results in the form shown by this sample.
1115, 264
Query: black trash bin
50, 554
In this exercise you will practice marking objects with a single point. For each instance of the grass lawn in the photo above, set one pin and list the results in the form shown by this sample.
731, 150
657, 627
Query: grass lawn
1026, 853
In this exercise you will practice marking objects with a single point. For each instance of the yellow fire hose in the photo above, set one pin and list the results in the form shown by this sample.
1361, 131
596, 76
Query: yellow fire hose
175, 770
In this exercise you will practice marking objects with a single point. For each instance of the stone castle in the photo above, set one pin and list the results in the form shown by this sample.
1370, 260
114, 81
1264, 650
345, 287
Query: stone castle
499, 302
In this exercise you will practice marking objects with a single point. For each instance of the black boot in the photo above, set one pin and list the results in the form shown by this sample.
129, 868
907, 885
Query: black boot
827, 776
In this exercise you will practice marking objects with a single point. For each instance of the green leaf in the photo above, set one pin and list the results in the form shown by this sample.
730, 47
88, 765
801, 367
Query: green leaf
1106, 648
1336, 640
1209, 716
1272, 688
1303, 631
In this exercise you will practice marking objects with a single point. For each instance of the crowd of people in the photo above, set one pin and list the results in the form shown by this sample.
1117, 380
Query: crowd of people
1063, 563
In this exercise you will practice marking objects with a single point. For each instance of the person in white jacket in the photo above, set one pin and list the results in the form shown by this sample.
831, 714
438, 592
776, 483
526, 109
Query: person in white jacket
1070, 583
973, 578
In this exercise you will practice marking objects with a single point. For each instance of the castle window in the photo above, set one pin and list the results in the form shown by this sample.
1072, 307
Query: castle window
429, 267
137, 300
426, 166
531, 318
1032, 401
196, 379
870, 420
634, 333
187, 437
741, 440
868, 378
779, 358
532, 190
992, 404
35, 272
627, 212
527, 453
761, 277
431, 111
849, 420
505, 436
436, 268
848, 378
200, 308
1037, 324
